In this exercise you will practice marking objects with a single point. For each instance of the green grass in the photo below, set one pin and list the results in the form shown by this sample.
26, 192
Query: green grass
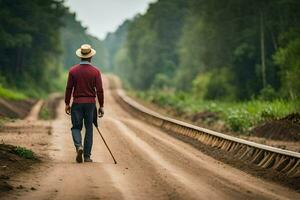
238, 116
45, 113
11, 94
24, 153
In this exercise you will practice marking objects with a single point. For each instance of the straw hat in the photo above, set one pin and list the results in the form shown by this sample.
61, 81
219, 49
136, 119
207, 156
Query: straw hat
85, 51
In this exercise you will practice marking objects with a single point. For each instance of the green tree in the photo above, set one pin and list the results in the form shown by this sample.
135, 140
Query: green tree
30, 42
247, 48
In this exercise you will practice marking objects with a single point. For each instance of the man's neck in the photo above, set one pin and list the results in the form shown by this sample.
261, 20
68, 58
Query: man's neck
84, 62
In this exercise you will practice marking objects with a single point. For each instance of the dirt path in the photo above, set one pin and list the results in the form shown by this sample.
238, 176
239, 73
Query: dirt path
151, 165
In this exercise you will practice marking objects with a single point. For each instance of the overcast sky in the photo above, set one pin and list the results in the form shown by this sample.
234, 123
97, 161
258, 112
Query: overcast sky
103, 16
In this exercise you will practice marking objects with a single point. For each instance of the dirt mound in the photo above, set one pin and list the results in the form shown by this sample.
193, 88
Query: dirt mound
294, 118
15, 109
11, 163
287, 128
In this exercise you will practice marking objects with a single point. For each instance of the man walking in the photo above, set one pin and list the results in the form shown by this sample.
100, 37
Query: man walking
85, 83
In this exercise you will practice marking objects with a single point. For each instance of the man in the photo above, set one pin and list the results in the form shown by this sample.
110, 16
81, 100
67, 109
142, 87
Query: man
85, 83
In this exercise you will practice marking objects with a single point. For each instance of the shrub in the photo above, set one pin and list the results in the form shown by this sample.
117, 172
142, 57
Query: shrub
219, 86
200, 84
268, 113
268, 94
24, 153
238, 120
44, 113
161, 81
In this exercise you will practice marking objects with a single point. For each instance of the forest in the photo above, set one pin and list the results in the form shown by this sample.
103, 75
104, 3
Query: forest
233, 50
237, 59
38, 40
226, 50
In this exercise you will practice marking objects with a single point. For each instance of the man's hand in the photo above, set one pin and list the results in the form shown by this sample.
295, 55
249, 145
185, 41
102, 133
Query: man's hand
100, 112
68, 109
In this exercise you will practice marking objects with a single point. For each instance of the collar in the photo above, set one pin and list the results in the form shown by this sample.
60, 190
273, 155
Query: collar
84, 63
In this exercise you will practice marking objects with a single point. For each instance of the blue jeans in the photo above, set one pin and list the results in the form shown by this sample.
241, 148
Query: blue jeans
83, 112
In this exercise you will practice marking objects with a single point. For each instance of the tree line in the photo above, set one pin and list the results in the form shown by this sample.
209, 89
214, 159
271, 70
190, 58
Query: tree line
38, 42
227, 50
73, 35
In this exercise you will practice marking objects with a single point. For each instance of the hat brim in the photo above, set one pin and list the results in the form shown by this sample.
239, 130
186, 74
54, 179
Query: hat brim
89, 55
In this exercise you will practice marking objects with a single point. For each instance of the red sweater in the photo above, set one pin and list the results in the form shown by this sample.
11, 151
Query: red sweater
85, 82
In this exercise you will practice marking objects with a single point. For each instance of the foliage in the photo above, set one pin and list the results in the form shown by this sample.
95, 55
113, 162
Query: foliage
44, 113
150, 43
161, 81
268, 94
238, 116
30, 43
38, 40
192, 47
220, 85
200, 83
239, 50
233, 58
11, 94
114, 43
122, 63
24, 153
288, 58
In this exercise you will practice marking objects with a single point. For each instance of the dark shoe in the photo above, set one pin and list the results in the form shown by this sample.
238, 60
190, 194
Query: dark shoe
88, 160
79, 155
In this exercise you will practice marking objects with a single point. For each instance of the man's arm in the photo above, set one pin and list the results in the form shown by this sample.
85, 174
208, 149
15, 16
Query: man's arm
68, 93
100, 93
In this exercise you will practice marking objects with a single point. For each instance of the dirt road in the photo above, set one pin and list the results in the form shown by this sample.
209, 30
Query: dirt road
151, 165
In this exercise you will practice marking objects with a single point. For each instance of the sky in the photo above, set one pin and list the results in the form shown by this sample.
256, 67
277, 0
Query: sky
103, 16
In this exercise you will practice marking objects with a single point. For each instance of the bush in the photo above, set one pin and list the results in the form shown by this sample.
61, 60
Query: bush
219, 86
200, 84
238, 121
161, 81
44, 113
268, 94
268, 113
24, 153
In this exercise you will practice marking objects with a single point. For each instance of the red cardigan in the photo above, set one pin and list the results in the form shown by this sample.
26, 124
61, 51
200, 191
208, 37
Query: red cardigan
85, 82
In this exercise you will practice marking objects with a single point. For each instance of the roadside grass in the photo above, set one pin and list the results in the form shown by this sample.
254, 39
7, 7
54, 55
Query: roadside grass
44, 113
31, 90
11, 94
24, 153
238, 116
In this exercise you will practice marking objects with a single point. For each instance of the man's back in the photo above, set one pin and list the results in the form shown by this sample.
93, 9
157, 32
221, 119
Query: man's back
85, 81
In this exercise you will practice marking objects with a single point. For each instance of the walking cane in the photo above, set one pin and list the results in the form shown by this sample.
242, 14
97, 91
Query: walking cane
95, 122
